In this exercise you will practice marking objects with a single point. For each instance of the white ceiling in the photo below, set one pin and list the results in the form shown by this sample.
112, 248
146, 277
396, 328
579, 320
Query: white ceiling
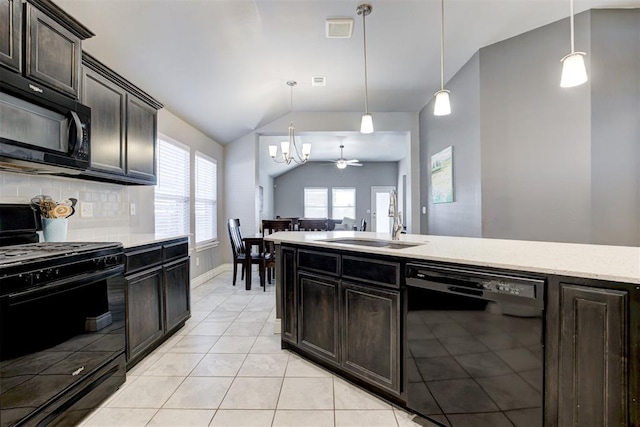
222, 65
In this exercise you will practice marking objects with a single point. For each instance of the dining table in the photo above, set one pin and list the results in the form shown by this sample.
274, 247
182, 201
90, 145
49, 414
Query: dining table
249, 242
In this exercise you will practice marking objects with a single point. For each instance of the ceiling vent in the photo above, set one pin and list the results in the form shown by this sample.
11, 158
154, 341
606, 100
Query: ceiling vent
339, 28
318, 81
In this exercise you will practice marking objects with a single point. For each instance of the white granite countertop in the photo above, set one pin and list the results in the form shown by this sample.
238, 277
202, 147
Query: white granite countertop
616, 263
133, 240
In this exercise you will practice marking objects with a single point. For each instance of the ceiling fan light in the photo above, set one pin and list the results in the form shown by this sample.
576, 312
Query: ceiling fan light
306, 149
442, 105
366, 126
341, 164
273, 151
574, 72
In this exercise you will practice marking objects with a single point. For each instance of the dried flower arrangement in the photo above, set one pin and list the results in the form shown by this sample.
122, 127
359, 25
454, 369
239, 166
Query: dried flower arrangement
49, 208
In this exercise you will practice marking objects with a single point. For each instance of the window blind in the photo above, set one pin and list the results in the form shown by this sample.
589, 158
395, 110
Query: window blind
206, 199
316, 203
343, 203
171, 195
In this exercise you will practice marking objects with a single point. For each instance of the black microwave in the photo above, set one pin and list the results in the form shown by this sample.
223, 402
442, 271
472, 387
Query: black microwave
41, 130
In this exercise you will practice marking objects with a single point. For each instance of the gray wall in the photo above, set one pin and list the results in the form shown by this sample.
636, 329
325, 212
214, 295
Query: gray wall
289, 187
461, 129
556, 164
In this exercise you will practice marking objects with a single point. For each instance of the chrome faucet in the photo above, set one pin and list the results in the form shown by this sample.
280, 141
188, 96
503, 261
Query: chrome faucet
397, 216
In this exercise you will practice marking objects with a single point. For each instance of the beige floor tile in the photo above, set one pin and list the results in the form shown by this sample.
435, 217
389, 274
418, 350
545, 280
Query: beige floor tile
144, 364
264, 365
233, 345
219, 365
194, 344
244, 329
303, 418
243, 418
182, 418
210, 328
368, 418
199, 393
306, 393
298, 367
197, 316
174, 364
110, 417
268, 344
348, 396
405, 419
252, 393
146, 392
222, 316
253, 316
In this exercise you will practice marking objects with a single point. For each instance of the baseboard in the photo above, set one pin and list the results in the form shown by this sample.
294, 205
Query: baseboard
205, 277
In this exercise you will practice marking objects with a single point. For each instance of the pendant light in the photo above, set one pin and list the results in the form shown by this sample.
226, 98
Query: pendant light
366, 126
289, 149
574, 72
442, 105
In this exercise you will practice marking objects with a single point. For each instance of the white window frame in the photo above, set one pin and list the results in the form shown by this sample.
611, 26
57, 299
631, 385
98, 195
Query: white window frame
170, 195
326, 202
333, 202
202, 201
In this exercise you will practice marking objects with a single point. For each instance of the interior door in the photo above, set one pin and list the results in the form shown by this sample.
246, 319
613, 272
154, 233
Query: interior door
380, 221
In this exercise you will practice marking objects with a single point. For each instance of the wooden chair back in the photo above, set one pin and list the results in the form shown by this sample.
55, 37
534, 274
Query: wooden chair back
235, 237
270, 226
312, 224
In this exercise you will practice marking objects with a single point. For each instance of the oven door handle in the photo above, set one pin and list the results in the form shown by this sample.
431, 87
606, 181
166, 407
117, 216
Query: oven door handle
64, 285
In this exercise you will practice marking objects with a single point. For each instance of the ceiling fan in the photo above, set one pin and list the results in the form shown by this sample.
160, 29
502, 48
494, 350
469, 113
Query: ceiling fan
342, 163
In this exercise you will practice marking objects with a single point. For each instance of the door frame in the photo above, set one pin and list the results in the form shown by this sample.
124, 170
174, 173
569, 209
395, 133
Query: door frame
374, 190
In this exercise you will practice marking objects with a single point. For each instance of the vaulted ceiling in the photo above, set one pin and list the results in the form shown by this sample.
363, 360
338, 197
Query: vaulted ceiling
222, 65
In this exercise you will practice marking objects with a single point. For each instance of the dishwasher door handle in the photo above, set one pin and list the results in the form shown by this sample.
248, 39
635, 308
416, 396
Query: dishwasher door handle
467, 291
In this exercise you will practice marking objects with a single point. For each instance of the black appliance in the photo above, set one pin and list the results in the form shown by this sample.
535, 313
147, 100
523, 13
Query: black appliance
475, 353
62, 327
41, 130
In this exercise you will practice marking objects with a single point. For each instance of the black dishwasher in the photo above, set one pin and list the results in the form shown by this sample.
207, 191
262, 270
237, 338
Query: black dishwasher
475, 351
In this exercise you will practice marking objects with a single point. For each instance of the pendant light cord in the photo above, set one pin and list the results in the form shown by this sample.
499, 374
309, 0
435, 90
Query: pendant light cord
571, 24
366, 94
442, 47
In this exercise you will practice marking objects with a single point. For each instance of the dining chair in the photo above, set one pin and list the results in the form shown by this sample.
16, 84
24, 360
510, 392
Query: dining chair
239, 252
363, 225
270, 226
312, 224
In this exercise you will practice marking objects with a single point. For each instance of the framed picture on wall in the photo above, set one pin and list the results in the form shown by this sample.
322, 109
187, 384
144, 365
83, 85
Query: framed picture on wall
442, 176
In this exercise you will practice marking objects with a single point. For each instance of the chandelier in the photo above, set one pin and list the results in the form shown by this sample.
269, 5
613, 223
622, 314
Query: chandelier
288, 149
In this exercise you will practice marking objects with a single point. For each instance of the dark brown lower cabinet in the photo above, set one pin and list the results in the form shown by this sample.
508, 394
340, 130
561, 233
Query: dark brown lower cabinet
145, 324
371, 339
287, 277
318, 316
176, 289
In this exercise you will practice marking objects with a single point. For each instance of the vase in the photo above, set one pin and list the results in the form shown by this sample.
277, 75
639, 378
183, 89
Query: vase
54, 229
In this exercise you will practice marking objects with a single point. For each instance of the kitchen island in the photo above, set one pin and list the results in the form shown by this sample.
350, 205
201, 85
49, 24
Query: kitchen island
345, 302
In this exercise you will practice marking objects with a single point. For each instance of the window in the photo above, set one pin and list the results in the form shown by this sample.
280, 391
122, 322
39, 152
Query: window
343, 203
206, 199
315, 203
171, 195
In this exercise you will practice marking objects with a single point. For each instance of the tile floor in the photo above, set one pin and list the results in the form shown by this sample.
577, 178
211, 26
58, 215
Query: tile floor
226, 368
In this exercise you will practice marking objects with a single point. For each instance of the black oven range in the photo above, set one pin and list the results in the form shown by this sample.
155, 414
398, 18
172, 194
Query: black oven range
62, 327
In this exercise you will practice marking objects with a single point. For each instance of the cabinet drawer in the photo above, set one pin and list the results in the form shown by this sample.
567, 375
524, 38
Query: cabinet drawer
320, 262
175, 250
142, 258
383, 273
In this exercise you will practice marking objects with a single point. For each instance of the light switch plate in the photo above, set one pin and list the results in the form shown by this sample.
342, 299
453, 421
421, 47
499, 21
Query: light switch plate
132, 209
86, 209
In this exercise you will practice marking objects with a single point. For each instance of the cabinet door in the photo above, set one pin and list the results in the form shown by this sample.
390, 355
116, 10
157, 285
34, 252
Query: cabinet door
144, 310
107, 102
371, 334
593, 357
10, 36
287, 278
141, 140
176, 290
53, 53
318, 325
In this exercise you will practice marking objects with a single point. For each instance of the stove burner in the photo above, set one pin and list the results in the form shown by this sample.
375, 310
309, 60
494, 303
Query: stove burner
19, 253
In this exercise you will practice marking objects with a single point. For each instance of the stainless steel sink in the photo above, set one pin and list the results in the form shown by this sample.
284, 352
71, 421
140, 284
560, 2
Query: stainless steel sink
388, 244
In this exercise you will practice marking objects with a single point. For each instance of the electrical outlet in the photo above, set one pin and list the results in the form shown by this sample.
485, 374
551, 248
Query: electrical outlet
86, 209
197, 261
132, 209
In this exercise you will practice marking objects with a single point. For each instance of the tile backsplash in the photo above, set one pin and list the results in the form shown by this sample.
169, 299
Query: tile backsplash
110, 204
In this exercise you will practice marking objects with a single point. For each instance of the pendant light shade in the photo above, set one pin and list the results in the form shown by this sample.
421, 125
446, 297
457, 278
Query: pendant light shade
366, 126
442, 106
574, 72
288, 149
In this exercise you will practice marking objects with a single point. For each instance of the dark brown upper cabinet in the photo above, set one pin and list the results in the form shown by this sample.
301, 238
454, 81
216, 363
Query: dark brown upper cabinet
10, 40
123, 126
53, 46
